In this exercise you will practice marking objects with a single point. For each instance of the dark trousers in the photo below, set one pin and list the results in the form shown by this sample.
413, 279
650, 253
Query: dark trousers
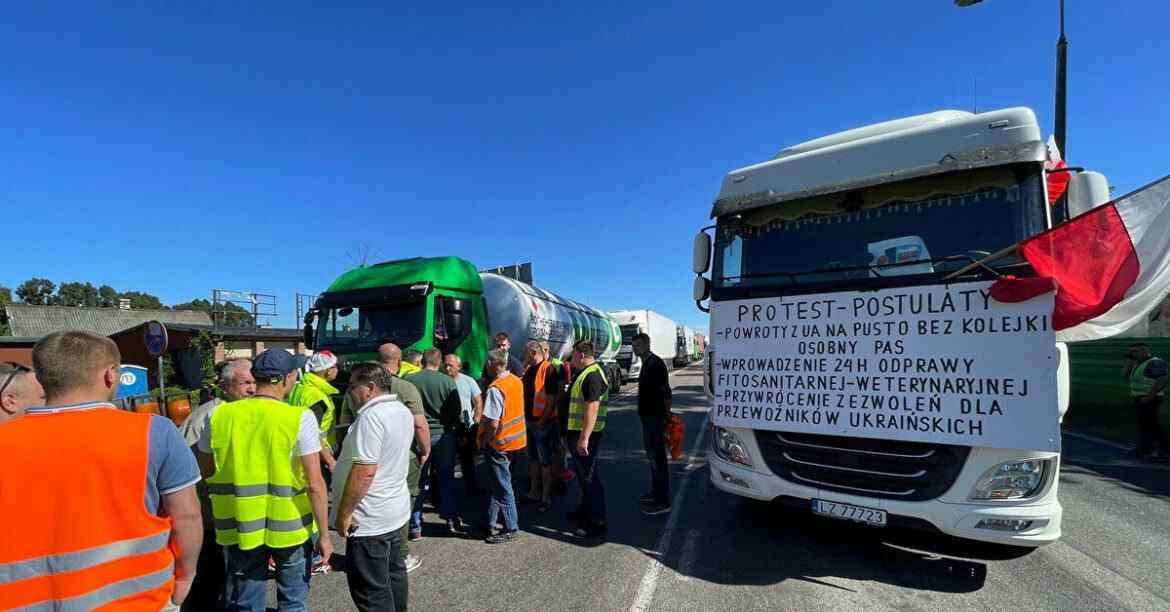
653, 438
1149, 430
467, 449
210, 577
589, 475
375, 568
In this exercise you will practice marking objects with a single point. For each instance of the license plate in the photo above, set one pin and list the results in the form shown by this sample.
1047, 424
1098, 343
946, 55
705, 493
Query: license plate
849, 512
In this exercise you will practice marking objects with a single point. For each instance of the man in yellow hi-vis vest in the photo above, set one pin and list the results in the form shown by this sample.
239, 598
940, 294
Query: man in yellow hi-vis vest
587, 412
1147, 376
262, 459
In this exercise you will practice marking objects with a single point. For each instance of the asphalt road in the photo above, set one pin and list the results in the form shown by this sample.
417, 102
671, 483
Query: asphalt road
718, 552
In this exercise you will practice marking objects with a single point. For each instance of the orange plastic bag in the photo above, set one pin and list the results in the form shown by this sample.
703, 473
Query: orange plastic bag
675, 430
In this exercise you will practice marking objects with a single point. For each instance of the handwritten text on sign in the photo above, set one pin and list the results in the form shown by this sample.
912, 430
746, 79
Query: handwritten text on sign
941, 364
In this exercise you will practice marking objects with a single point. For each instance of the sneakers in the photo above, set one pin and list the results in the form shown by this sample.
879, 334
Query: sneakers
454, 526
656, 509
412, 562
505, 537
414, 536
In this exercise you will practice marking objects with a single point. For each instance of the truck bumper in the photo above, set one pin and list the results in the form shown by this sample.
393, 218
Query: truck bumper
958, 519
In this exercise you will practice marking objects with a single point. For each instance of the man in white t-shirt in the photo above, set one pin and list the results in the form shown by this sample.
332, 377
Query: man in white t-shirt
371, 500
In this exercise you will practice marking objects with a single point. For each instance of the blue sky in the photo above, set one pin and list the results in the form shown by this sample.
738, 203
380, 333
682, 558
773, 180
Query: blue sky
177, 147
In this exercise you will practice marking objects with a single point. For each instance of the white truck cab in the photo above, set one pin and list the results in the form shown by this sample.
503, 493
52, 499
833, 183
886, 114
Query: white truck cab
897, 206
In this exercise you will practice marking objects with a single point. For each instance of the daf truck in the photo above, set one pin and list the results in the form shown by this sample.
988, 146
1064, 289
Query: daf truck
663, 339
444, 302
858, 364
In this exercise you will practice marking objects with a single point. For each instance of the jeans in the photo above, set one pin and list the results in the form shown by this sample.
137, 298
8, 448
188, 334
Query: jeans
375, 569
442, 461
247, 577
503, 499
653, 438
589, 475
207, 590
1149, 432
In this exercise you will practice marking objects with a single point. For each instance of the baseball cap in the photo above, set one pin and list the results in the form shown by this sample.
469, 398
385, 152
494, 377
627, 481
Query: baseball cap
322, 360
275, 363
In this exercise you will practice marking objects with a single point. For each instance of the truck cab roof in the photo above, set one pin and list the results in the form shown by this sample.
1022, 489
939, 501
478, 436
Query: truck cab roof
912, 147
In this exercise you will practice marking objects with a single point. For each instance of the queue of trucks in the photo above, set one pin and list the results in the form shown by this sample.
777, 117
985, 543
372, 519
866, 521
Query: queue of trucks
444, 302
856, 365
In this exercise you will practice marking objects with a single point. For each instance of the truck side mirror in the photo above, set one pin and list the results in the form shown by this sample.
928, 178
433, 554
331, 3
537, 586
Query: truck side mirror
1086, 191
453, 318
308, 336
307, 333
701, 253
702, 289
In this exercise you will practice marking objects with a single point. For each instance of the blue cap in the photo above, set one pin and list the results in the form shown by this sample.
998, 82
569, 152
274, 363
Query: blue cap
276, 363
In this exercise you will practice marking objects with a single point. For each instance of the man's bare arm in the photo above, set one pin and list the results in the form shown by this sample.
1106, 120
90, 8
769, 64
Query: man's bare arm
186, 537
356, 487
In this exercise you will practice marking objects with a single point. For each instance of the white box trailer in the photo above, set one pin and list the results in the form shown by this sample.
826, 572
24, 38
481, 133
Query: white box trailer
663, 338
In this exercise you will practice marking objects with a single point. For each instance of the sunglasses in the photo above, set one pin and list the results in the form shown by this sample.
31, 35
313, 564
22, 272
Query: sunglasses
17, 368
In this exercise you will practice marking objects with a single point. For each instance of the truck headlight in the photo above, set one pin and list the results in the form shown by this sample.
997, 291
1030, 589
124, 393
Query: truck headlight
730, 447
1012, 480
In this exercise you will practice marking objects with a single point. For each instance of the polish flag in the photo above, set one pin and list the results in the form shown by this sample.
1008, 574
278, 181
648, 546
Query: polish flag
1057, 182
1111, 265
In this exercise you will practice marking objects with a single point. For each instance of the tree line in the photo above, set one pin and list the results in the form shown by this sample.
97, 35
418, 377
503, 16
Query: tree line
44, 292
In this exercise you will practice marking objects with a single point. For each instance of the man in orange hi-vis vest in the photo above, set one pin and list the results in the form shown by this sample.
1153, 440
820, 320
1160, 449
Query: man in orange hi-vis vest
101, 481
502, 431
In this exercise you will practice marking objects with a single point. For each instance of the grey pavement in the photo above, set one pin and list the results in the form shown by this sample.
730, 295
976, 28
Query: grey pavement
718, 552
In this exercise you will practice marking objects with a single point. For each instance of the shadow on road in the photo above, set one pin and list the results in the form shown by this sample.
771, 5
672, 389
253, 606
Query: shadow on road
1116, 466
763, 544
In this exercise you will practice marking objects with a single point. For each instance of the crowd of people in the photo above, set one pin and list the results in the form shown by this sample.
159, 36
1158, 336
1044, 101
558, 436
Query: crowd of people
248, 487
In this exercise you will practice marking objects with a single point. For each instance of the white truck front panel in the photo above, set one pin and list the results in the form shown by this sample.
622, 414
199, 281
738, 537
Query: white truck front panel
954, 513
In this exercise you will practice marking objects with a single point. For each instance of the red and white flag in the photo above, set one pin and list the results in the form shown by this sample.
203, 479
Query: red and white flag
1111, 265
1057, 177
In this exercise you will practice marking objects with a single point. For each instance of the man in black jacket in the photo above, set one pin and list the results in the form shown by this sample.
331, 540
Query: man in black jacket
654, 409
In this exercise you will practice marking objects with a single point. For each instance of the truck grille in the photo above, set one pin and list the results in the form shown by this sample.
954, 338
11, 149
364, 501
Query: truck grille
624, 362
887, 469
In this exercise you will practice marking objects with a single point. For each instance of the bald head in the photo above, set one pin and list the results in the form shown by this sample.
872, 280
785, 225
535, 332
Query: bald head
77, 366
390, 357
21, 392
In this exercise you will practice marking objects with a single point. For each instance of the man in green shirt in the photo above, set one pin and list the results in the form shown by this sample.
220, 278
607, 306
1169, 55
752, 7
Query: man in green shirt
442, 407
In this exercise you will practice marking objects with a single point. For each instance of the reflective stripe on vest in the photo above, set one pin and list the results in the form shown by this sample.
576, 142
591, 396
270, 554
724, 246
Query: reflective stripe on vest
258, 493
512, 434
93, 544
577, 401
1139, 384
540, 401
311, 389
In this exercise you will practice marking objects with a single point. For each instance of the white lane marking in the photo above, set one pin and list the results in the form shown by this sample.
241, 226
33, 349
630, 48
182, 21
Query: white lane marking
649, 582
1129, 594
687, 559
1102, 441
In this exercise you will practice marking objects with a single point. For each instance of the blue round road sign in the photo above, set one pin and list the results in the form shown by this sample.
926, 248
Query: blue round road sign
155, 337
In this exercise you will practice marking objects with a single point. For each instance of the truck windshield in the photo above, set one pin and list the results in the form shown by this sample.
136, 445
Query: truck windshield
921, 227
349, 329
628, 333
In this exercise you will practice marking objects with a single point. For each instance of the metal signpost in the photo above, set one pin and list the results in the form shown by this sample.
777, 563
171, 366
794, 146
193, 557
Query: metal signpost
155, 338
